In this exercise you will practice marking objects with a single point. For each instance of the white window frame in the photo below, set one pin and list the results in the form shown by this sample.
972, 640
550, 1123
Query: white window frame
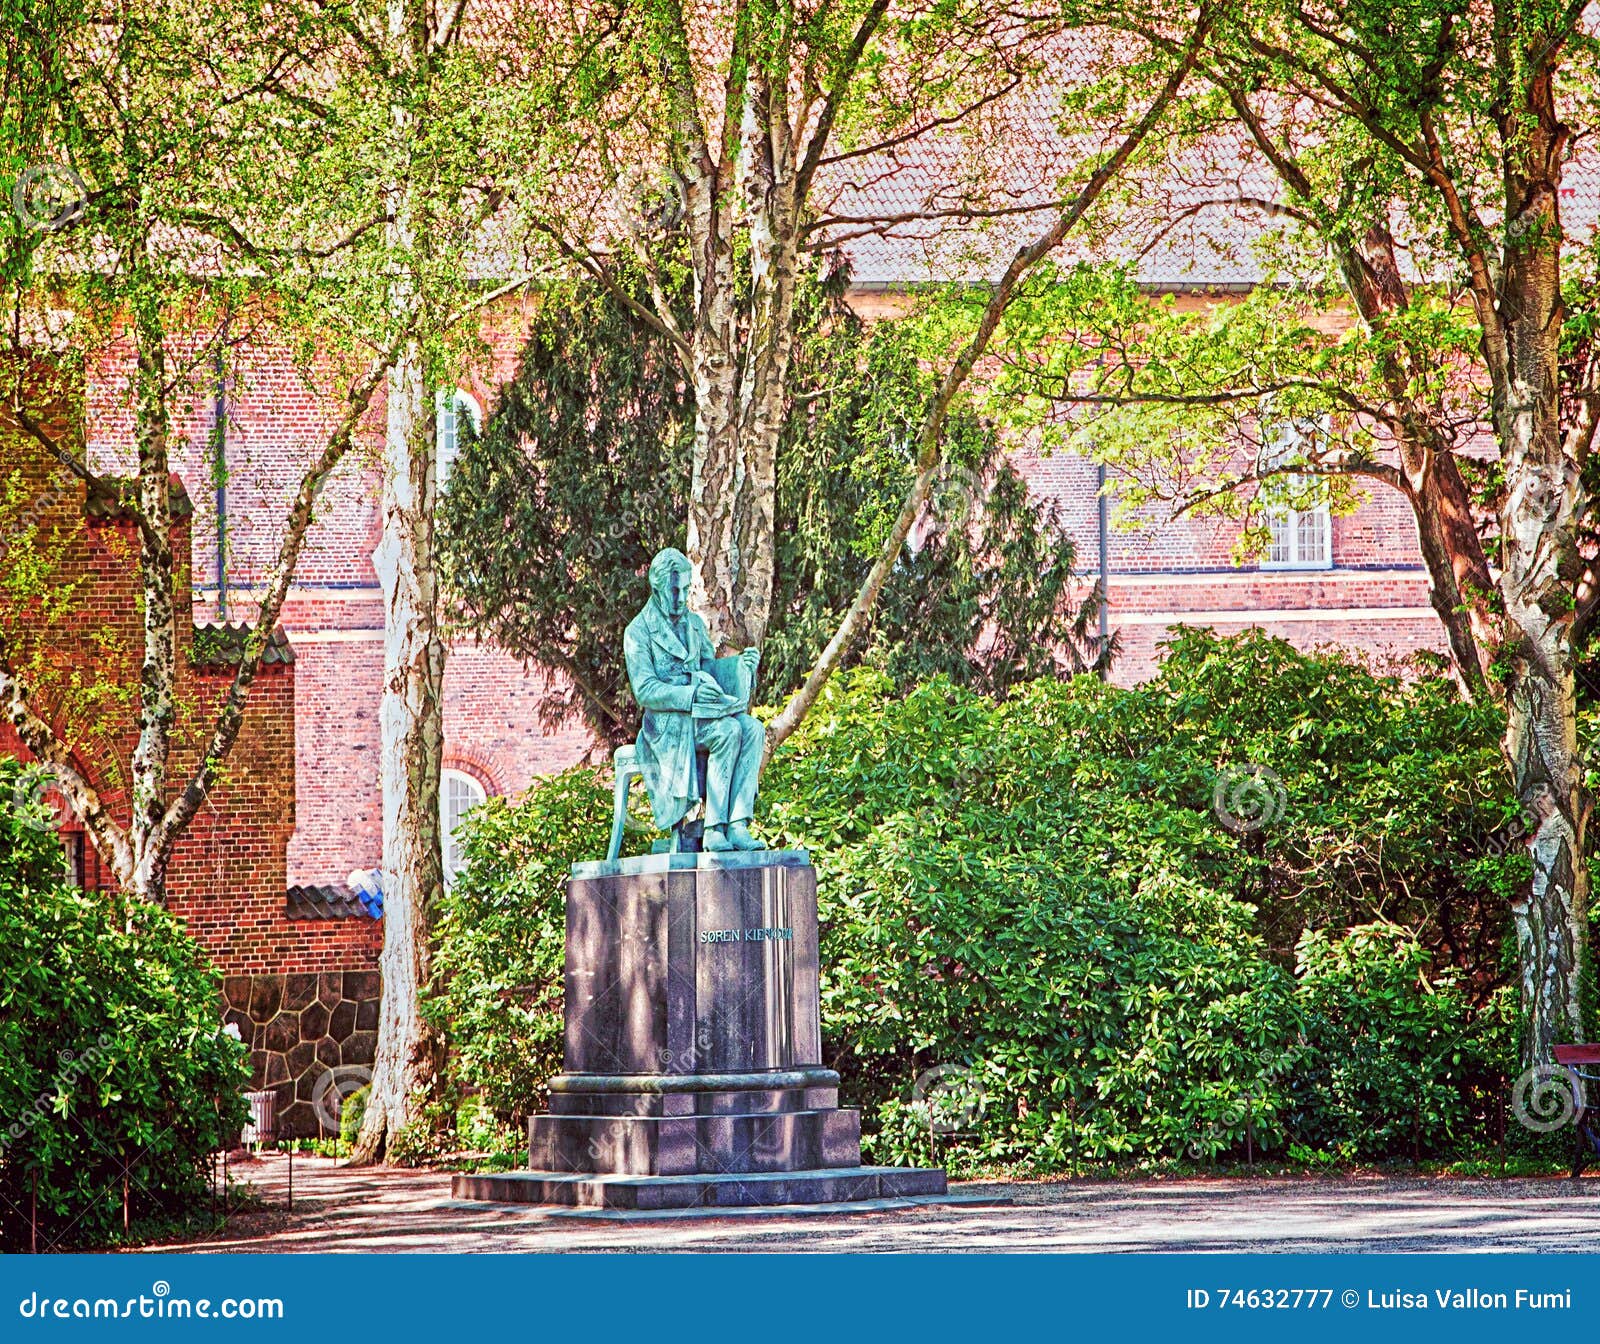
450, 846
448, 406
1287, 525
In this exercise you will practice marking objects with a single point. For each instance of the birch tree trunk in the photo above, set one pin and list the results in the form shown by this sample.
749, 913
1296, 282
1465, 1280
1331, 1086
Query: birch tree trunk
930, 435
744, 190
158, 665
740, 405
408, 1058
411, 726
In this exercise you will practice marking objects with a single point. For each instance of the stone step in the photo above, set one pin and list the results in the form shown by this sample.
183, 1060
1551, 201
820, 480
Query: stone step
704, 1190
744, 1101
640, 1145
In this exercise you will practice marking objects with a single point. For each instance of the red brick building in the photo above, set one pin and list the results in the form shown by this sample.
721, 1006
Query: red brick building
1354, 580
299, 963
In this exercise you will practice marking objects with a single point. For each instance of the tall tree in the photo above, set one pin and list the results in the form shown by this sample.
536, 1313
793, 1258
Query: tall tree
454, 95
745, 130
582, 473
748, 131
161, 169
1422, 150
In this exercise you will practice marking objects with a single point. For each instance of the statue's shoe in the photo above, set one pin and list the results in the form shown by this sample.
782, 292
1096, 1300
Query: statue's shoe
739, 837
718, 841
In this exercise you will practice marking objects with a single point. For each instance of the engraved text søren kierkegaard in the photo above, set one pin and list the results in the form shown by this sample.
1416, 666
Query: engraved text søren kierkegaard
771, 935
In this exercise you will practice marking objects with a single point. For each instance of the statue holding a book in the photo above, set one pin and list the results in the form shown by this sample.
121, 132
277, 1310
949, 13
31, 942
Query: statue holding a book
693, 699
692, 1044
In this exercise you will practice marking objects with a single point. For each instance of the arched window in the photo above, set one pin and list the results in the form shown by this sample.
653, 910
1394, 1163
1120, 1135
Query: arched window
459, 793
455, 408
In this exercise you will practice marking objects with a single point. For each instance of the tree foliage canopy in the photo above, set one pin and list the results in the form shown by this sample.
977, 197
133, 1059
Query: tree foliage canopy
581, 475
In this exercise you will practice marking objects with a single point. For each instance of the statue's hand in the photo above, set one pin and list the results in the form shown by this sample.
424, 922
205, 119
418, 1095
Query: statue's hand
708, 696
751, 658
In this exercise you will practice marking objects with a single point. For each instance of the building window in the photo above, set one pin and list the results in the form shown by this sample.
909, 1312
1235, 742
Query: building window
1302, 538
458, 794
75, 843
455, 410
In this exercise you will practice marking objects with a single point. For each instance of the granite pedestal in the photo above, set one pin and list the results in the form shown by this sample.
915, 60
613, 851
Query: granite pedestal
693, 1048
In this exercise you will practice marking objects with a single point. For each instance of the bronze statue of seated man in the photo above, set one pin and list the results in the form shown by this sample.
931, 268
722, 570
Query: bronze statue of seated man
690, 699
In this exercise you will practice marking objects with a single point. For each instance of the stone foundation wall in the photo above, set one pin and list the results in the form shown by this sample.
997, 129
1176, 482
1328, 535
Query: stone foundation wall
312, 1039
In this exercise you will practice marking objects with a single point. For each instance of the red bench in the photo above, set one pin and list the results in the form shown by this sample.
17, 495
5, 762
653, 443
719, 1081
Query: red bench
1582, 1063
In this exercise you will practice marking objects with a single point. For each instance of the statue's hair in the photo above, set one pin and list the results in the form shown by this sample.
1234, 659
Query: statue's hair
665, 562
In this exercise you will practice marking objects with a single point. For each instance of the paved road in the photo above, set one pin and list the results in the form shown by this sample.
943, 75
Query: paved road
388, 1209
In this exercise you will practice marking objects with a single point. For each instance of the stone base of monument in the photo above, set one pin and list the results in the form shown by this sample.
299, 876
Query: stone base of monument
693, 1049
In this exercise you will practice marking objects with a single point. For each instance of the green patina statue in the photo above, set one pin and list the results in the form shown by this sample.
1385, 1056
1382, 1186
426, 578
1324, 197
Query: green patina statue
690, 699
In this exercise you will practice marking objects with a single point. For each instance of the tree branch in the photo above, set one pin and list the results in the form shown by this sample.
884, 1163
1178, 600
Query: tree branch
917, 132
230, 718
929, 454
659, 323
841, 85
40, 739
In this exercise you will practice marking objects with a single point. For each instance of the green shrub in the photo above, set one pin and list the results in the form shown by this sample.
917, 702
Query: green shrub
1392, 1056
112, 1051
352, 1112
1102, 1014
1039, 900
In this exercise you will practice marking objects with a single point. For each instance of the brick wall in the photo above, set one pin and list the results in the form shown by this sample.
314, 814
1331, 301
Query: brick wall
228, 877
1374, 599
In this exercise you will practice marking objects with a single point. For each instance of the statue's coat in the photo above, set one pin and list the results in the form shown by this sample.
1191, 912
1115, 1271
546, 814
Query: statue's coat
661, 671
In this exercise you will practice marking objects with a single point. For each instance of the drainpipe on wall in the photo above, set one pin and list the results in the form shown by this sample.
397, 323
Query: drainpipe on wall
1105, 561
219, 476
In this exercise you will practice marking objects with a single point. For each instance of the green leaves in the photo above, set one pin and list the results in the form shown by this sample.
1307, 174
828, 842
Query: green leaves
582, 475
1039, 893
112, 1053
500, 935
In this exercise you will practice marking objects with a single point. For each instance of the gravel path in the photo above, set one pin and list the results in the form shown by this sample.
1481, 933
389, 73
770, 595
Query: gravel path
388, 1209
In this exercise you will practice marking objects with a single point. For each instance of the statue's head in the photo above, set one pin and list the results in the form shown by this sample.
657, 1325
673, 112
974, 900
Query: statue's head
670, 577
